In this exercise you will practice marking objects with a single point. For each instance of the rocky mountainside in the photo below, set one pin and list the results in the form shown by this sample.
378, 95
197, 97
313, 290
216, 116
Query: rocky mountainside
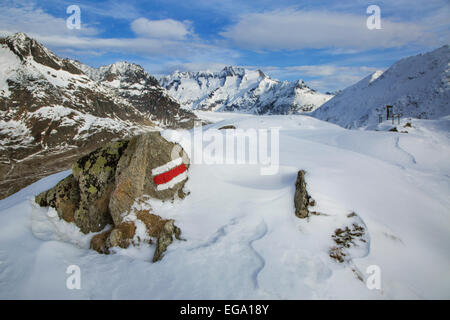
416, 87
131, 82
53, 109
242, 90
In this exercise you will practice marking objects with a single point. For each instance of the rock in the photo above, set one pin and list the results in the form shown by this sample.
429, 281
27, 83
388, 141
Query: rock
165, 238
134, 172
95, 174
162, 230
98, 242
107, 182
122, 235
227, 127
301, 197
64, 197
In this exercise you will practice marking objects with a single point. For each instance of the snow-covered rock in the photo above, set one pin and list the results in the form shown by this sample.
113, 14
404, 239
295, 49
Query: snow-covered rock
416, 87
242, 90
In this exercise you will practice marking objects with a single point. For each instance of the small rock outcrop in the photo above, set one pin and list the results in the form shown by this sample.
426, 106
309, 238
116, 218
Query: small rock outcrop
107, 182
302, 200
64, 197
228, 126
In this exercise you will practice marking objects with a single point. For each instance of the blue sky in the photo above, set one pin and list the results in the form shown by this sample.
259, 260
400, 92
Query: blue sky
325, 43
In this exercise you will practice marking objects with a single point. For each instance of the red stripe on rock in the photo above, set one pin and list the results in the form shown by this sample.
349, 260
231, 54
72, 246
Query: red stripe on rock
169, 175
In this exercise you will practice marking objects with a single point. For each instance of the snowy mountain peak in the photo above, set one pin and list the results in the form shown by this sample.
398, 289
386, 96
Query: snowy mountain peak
374, 76
243, 90
122, 67
26, 49
416, 87
233, 71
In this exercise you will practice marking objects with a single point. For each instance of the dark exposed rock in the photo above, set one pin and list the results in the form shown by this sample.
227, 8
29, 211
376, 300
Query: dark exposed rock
350, 241
165, 238
64, 197
227, 127
95, 175
301, 198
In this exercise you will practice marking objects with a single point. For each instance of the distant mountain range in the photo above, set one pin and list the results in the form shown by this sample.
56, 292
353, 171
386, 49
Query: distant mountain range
416, 87
241, 90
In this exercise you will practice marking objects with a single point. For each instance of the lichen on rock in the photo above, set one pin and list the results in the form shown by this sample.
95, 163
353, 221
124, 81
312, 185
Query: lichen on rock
302, 200
64, 197
104, 185
95, 175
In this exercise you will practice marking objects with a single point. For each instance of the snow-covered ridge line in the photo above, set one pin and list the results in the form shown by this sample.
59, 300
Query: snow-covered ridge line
242, 90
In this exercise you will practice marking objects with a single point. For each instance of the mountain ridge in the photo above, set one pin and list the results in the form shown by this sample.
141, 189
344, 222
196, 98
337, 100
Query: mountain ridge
241, 90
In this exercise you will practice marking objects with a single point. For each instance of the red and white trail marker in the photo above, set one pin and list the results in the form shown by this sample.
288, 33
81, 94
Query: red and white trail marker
169, 174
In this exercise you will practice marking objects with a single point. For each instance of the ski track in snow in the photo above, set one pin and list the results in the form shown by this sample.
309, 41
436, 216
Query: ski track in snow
216, 237
397, 145
260, 232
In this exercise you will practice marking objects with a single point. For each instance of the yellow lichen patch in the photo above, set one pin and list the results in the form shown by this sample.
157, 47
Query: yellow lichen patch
114, 147
98, 165
92, 189
87, 165
76, 169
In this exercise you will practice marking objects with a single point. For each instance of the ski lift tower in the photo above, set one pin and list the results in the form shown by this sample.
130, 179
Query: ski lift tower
389, 112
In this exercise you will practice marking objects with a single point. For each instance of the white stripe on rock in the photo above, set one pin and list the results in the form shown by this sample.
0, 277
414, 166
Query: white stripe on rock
166, 167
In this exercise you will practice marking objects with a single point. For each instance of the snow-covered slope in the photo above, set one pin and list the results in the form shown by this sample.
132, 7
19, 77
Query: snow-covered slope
243, 240
242, 90
417, 87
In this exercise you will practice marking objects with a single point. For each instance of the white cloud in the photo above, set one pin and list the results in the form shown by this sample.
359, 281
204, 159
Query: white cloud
169, 39
162, 29
294, 30
29, 19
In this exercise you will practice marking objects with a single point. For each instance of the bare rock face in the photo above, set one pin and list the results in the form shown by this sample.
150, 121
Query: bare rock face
301, 198
107, 182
